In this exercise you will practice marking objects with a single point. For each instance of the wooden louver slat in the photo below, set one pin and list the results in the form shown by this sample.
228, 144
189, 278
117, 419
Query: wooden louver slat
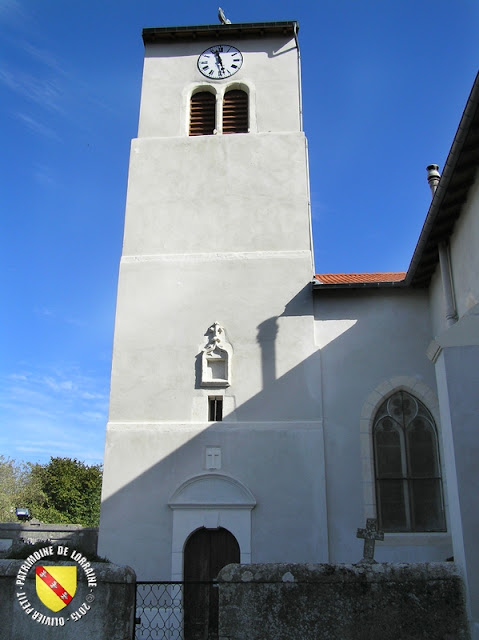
202, 114
235, 112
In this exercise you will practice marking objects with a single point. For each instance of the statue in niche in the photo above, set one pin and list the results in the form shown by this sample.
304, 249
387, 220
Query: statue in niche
216, 359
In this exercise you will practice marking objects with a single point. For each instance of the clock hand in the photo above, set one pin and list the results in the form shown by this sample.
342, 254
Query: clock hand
219, 61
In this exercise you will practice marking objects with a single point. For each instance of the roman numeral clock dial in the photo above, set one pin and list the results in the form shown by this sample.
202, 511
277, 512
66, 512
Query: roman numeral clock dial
220, 61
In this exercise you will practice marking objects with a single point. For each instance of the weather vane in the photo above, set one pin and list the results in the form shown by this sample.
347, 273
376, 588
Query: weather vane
222, 18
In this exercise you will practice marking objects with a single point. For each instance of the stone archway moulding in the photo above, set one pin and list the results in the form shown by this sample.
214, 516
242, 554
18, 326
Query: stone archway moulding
210, 500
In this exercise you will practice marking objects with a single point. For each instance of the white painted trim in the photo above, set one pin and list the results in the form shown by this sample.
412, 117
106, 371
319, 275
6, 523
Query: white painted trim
219, 92
211, 512
198, 427
244, 497
218, 256
188, 93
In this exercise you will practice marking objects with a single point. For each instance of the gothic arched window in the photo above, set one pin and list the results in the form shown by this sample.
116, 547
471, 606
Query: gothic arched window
407, 468
235, 112
202, 114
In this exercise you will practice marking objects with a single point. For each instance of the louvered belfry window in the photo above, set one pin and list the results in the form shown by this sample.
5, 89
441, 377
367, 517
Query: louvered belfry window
202, 114
408, 474
235, 112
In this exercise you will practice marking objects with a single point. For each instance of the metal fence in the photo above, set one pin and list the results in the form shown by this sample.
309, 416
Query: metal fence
159, 611
176, 611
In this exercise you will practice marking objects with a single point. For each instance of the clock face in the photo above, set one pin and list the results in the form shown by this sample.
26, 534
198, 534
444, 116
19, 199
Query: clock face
220, 61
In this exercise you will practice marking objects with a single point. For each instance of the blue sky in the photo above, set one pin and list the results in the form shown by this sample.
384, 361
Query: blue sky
384, 85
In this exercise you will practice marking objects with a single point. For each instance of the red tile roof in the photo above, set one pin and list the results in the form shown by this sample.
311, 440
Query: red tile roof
358, 278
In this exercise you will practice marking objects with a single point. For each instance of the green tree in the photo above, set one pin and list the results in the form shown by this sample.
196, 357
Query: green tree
72, 491
13, 479
63, 491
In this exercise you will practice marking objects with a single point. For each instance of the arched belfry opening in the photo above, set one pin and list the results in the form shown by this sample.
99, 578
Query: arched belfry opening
235, 112
202, 114
206, 552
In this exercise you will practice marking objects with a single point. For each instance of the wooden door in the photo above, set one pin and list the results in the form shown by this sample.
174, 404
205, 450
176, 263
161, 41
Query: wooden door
207, 551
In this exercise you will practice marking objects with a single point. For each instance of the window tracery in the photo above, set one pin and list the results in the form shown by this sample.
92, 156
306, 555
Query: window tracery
407, 468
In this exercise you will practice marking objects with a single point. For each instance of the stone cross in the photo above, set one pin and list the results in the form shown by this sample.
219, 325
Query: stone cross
370, 535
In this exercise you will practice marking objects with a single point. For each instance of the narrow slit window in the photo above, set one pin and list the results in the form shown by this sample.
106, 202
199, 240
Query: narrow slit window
235, 112
202, 114
215, 408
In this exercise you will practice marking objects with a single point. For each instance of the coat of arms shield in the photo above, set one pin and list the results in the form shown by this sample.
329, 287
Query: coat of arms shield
56, 586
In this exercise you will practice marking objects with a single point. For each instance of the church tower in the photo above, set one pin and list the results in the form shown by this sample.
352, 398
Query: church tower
214, 423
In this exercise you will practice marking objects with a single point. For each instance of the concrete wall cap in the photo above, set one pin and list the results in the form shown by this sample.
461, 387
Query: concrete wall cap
105, 571
321, 573
41, 526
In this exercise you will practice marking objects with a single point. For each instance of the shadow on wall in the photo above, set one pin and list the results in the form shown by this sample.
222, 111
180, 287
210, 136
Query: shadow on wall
282, 465
267, 332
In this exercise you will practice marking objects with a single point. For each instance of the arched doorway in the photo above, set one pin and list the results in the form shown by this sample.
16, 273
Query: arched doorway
206, 552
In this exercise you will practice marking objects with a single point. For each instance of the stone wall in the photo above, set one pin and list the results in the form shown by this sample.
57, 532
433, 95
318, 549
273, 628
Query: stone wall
102, 612
341, 602
13, 534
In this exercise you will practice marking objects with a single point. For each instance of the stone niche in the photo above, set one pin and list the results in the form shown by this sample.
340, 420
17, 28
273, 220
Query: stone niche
216, 359
342, 602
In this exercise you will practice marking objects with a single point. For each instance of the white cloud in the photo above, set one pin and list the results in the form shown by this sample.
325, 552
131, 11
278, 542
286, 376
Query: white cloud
76, 322
54, 412
42, 55
11, 11
37, 127
39, 90
93, 415
43, 311
58, 385
87, 395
